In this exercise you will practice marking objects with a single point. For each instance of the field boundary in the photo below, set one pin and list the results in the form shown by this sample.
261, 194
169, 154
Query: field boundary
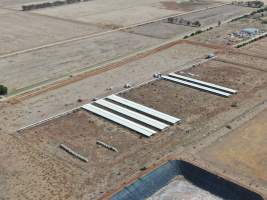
48, 119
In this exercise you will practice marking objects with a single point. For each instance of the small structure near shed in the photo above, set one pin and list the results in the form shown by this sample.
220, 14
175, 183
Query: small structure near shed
250, 31
245, 33
210, 55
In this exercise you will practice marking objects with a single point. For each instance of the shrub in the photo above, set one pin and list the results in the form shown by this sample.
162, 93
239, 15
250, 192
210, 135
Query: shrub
3, 90
199, 31
197, 23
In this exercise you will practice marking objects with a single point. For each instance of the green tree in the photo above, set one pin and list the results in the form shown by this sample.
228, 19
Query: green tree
197, 23
3, 90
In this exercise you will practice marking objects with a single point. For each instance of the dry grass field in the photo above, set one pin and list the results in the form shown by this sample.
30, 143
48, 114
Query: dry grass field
258, 47
137, 71
115, 13
57, 59
80, 130
207, 18
192, 105
54, 62
242, 152
21, 30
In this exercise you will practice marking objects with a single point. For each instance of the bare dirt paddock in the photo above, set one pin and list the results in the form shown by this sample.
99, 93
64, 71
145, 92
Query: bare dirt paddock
191, 5
136, 71
259, 47
245, 59
208, 17
114, 13
242, 152
32, 164
20, 30
192, 105
80, 130
110, 12
27, 174
27, 69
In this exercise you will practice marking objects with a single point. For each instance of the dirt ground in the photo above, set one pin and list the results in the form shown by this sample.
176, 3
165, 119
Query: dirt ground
65, 98
34, 167
242, 152
31, 68
187, 6
21, 30
208, 17
63, 60
30, 174
162, 30
80, 130
191, 105
245, 59
220, 35
118, 13
222, 13
258, 47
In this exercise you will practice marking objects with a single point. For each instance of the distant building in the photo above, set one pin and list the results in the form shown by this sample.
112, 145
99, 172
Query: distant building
250, 31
